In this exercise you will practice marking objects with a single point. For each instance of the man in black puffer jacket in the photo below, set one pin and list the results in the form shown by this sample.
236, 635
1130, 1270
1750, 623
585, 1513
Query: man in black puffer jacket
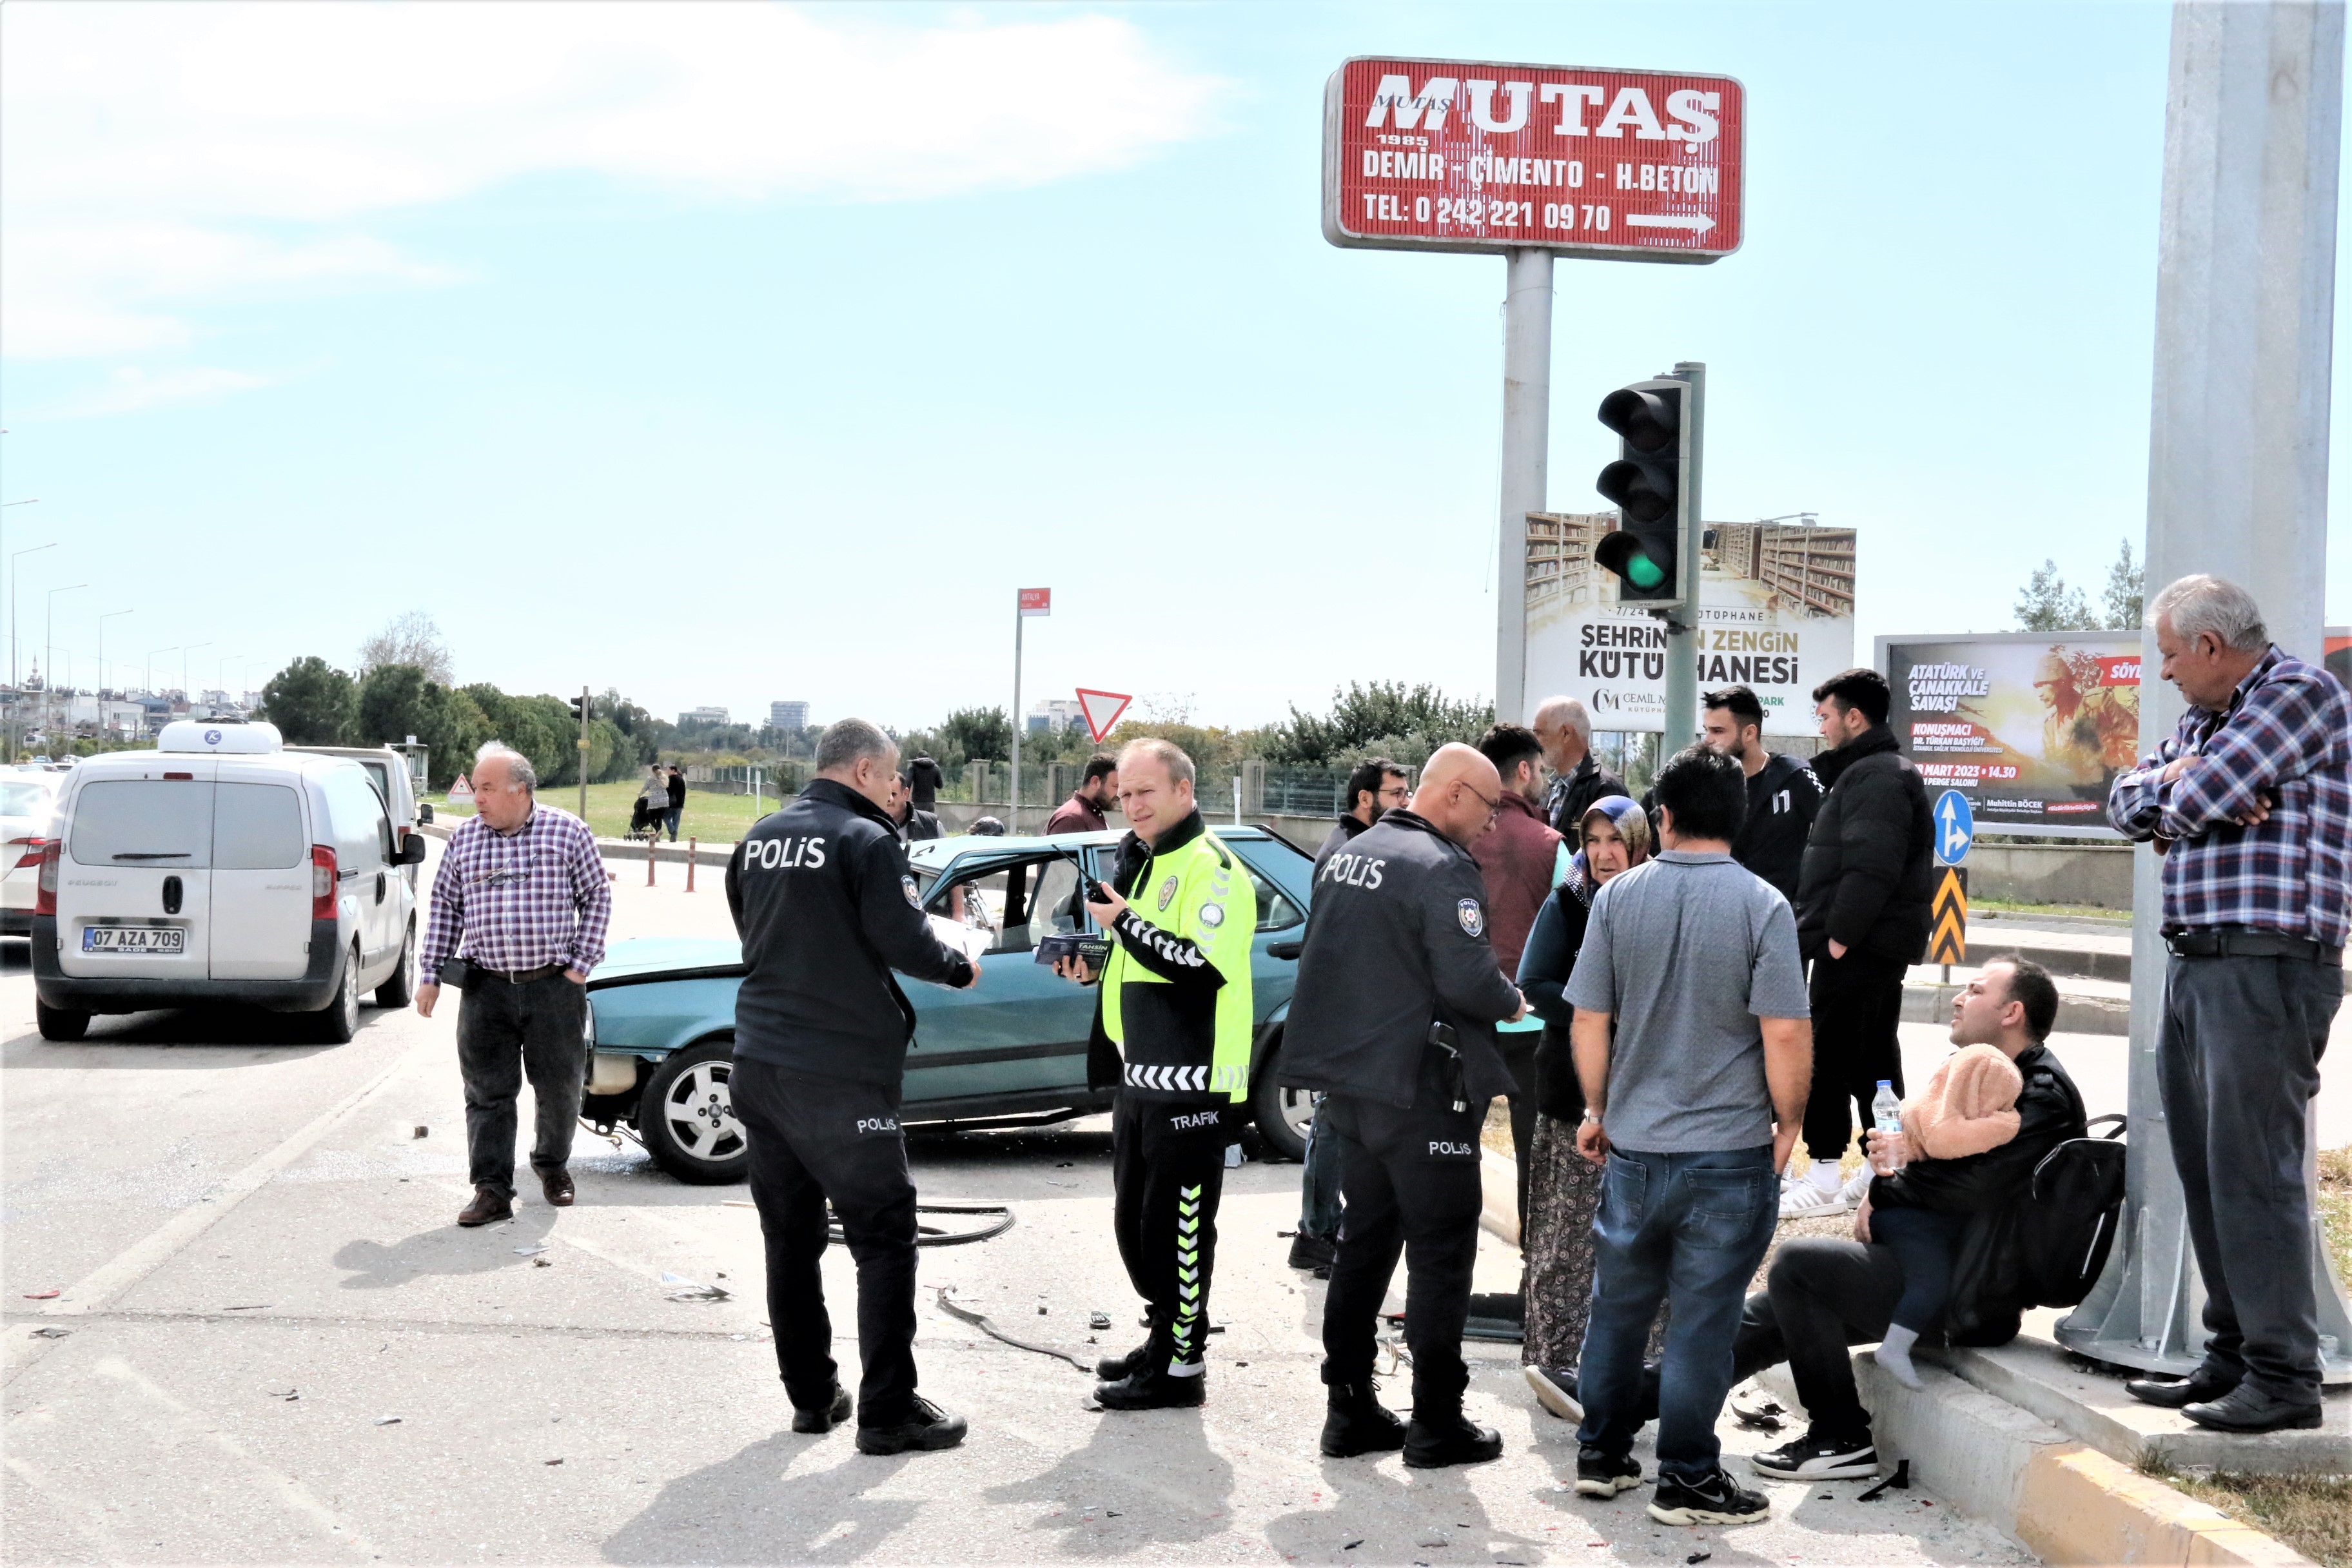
1862, 899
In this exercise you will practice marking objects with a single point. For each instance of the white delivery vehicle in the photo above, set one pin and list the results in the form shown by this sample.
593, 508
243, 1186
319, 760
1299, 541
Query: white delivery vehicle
222, 868
390, 770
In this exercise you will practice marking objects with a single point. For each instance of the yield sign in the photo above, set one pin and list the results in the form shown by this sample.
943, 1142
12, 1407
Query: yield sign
1102, 709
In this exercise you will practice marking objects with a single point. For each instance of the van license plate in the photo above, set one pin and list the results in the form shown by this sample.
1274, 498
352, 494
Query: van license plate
134, 939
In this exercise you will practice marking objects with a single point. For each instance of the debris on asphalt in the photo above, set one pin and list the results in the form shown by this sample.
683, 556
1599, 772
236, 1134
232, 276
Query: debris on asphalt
51, 1333
954, 1309
421, 1132
50, 1295
1098, 1320
1044, 1310
1698, 1556
685, 1289
1433, 1538
550, 1461
542, 1263
737, 1204
533, 1249
1900, 1480
387, 1420
284, 1390
1351, 1546
248, 1307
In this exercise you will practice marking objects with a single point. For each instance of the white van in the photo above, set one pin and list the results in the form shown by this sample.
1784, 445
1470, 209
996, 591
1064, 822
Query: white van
222, 868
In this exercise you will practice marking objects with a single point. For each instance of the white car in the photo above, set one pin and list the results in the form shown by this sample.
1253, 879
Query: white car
28, 804
222, 868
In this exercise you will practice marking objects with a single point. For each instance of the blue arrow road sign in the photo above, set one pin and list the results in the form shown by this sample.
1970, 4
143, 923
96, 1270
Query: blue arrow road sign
1955, 827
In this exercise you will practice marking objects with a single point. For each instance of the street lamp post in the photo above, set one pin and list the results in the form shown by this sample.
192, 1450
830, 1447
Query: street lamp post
101, 661
50, 654
16, 632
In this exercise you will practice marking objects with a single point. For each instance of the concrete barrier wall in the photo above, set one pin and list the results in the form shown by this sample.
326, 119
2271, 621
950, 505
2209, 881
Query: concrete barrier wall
2096, 875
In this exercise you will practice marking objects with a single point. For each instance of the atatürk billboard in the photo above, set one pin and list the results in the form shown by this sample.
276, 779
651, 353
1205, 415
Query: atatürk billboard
1476, 155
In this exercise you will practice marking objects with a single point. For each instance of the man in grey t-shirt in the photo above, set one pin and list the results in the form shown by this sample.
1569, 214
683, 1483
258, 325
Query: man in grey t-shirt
1695, 1050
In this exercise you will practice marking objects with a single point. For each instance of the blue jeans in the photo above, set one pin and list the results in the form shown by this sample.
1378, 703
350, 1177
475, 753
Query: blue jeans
1319, 1192
671, 816
1694, 1226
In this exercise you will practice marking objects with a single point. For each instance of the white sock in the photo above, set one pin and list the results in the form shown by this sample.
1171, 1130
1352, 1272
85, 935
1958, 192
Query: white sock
1895, 1354
1824, 1175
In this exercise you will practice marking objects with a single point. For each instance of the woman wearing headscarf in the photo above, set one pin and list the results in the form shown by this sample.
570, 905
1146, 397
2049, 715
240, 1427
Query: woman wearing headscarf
1563, 1188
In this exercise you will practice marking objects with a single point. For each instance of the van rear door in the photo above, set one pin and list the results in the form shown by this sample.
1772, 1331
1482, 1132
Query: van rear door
261, 875
134, 883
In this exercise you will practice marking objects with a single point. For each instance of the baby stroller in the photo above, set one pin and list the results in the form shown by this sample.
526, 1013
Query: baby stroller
643, 823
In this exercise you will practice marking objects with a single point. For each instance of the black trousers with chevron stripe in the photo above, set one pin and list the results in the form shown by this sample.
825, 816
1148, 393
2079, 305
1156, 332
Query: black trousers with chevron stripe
1168, 1170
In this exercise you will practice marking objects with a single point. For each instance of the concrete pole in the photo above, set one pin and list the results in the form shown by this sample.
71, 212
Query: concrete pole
1527, 449
1012, 794
2237, 487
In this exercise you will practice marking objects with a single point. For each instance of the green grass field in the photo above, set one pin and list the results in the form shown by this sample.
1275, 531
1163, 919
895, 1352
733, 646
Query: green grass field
712, 818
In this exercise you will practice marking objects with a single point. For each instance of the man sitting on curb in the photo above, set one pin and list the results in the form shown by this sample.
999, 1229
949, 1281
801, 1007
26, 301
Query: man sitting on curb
1824, 1295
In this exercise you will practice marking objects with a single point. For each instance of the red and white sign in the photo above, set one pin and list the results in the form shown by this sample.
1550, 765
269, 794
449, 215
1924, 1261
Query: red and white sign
1037, 601
1477, 155
1102, 709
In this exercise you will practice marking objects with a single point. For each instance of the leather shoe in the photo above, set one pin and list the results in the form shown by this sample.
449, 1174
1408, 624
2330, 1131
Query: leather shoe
2248, 1408
488, 1204
557, 1185
2170, 1394
826, 1419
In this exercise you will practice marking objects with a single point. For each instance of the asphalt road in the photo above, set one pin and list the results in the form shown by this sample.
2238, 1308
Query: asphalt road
277, 1348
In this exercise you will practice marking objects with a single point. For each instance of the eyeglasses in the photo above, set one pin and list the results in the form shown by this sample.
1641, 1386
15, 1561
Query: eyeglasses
1398, 793
1494, 807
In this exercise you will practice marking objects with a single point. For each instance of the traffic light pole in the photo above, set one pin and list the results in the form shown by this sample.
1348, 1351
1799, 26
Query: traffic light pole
1680, 721
2237, 487
583, 753
1527, 445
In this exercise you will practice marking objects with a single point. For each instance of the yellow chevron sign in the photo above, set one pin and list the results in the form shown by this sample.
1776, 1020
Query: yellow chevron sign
1947, 938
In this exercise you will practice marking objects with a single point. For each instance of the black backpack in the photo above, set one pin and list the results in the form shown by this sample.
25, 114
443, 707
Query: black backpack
2046, 1246
2067, 1221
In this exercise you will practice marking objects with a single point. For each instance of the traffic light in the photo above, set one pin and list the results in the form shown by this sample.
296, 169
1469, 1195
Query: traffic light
1648, 485
583, 709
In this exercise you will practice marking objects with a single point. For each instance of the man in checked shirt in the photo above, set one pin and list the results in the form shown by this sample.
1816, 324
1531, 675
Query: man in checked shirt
521, 903
2250, 803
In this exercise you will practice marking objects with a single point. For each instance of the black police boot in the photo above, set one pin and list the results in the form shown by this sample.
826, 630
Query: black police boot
1111, 1368
1359, 1423
1432, 1443
927, 1429
825, 1418
1151, 1387
2197, 1388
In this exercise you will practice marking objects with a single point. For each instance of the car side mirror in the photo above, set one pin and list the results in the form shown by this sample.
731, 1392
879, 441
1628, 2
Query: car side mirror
423, 813
411, 850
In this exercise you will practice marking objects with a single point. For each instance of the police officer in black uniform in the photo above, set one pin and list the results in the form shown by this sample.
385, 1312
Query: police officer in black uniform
1393, 1019
826, 908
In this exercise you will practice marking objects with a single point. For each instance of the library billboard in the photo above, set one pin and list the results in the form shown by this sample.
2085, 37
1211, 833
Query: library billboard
1775, 613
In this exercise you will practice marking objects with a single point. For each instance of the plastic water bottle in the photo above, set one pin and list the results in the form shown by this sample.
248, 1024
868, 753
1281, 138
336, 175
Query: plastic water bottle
1887, 1114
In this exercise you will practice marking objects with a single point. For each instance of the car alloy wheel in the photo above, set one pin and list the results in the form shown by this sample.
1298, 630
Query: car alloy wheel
686, 1116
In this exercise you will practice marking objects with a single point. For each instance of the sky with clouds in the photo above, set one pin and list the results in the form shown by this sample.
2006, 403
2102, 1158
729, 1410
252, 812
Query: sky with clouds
729, 352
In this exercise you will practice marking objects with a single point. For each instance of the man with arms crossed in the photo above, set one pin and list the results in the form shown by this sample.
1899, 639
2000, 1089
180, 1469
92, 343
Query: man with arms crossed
827, 909
1694, 1050
2250, 802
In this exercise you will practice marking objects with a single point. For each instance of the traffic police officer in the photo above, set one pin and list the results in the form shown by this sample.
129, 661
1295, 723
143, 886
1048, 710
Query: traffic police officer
1175, 1003
827, 907
1393, 1020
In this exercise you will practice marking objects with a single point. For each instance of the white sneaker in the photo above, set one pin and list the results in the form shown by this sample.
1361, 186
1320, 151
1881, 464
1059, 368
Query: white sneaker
1806, 1201
1854, 1191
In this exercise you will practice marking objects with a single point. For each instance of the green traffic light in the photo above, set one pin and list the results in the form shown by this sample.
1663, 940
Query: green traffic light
1642, 571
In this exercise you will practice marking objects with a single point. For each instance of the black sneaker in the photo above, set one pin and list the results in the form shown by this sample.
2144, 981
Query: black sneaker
925, 1428
1111, 1368
826, 1419
1716, 1500
1359, 1423
1452, 1440
1555, 1389
1311, 1251
1153, 1389
1602, 1474
1816, 1457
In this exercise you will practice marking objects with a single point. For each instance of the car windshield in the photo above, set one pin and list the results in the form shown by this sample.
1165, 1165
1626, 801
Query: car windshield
24, 799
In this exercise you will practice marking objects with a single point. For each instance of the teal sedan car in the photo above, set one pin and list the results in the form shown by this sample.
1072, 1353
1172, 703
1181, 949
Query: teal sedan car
1011, 1051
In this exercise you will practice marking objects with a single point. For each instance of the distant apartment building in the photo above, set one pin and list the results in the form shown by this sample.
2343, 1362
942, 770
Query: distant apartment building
701, 717
1055, 713
788, 715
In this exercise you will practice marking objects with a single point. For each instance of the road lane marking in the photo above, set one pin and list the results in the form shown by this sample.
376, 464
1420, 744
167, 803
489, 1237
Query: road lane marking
192, 1424
149, 1253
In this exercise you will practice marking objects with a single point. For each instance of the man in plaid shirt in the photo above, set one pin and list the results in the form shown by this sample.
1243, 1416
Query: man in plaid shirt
2250, 803
521, 902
